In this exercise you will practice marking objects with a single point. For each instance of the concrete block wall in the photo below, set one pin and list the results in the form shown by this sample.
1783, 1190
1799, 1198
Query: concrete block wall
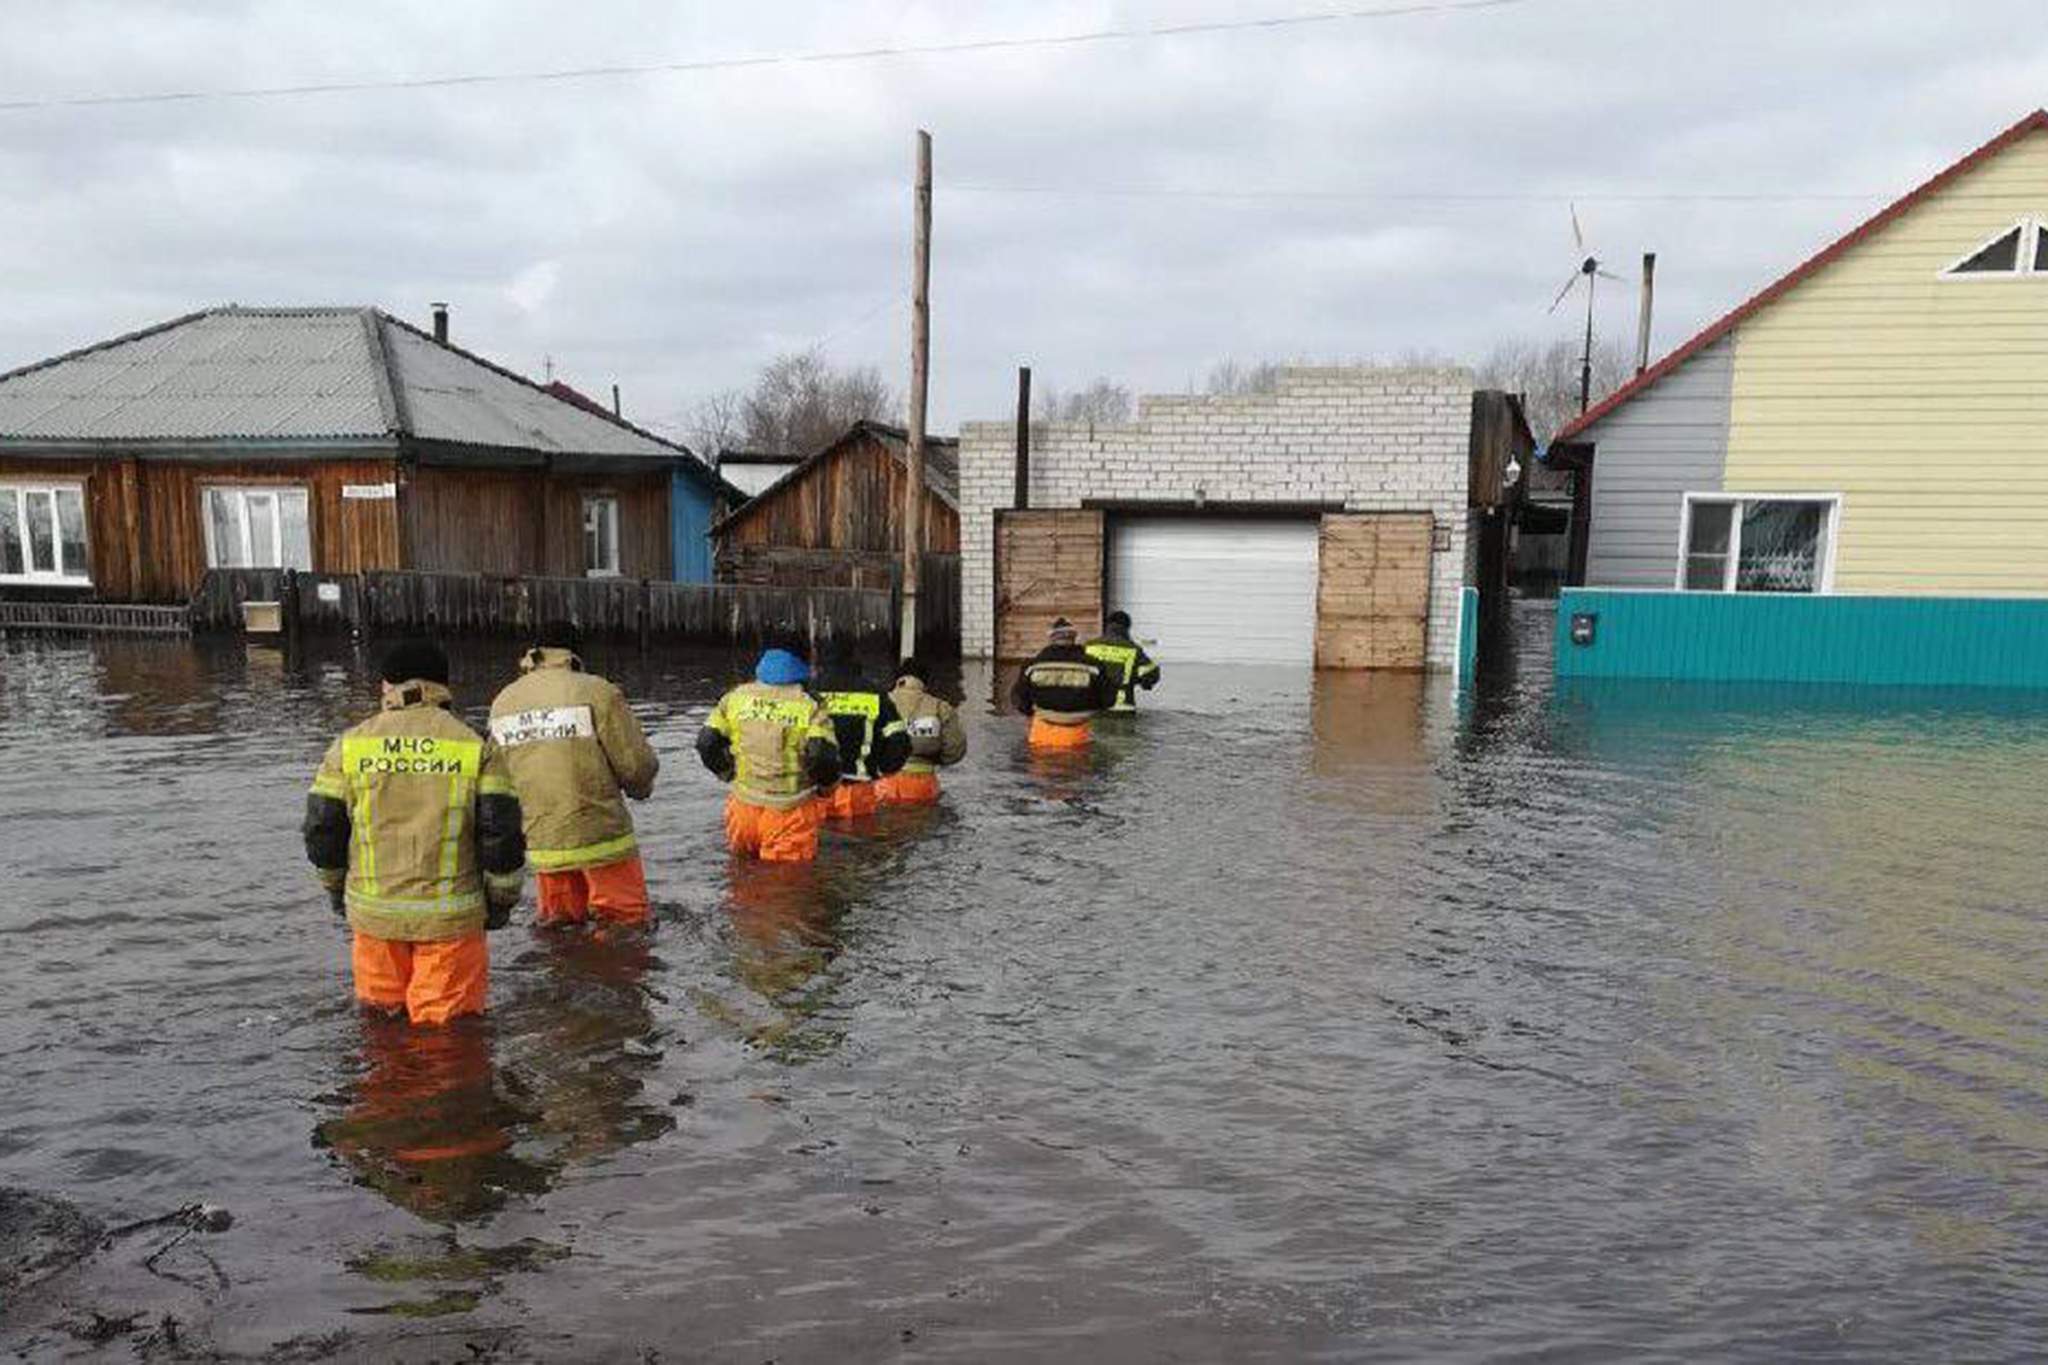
1375, 440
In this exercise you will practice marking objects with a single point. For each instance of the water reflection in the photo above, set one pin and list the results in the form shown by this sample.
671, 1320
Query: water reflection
784, 919
582, 1036
430, 1126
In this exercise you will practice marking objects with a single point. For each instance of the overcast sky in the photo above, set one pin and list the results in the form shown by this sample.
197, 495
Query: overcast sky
672, 232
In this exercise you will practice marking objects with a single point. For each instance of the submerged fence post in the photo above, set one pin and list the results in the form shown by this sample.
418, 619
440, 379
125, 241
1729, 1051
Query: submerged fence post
646, 614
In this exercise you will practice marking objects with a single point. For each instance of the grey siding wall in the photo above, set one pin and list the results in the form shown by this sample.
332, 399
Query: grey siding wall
1671, 439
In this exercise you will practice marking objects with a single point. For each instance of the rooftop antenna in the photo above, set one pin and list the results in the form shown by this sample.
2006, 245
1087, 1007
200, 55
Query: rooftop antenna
1591, 272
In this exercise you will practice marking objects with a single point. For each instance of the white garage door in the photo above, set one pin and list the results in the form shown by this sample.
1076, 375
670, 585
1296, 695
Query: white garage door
1217, 589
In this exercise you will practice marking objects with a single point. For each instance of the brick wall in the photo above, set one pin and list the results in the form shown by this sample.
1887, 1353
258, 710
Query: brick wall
1372, 439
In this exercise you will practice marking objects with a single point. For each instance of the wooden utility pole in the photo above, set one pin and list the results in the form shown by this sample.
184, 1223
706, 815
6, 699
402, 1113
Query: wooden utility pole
1022, 496
920, 375
1643, 318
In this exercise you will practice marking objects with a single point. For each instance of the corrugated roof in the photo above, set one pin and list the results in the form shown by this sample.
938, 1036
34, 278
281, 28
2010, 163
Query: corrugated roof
298, 374
2035, 122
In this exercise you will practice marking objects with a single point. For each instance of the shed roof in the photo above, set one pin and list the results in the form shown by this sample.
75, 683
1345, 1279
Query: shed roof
2035, 122
278, 376
941, 467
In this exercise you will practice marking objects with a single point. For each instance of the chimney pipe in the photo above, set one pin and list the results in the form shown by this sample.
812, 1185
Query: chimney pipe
440, 322
616, 410
1643, 322
1023, 497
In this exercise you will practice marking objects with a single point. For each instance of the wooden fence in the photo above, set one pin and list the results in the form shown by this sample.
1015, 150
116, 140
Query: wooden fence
110, 618
388, 603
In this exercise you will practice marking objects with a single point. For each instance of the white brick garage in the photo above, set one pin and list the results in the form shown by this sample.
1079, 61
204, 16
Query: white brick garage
1355, 440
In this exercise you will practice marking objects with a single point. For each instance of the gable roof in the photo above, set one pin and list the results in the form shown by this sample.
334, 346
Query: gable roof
282, 376
941, 467
2035, 122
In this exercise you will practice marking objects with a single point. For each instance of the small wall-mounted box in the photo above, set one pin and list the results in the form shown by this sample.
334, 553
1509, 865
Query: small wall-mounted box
1585, 624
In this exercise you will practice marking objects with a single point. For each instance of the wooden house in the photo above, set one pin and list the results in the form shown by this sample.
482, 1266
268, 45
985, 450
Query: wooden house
1844, 478
331, 440
836, 519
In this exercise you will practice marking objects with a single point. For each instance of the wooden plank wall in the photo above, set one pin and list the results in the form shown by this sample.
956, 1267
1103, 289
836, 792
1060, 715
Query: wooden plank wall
850, 500
500, 521
1372, 591
146, 539
1048, 563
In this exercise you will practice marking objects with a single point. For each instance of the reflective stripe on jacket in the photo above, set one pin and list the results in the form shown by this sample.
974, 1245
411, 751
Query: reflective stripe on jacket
575, 751
410, 779
867, 727
937, 739
1063, 686
769, 726
1129, 667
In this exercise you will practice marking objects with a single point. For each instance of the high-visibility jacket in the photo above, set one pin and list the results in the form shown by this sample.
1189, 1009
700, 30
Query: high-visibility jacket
575, 751
1063, 685
873, 740
413, 815
937, 739
1130, 667
774, 742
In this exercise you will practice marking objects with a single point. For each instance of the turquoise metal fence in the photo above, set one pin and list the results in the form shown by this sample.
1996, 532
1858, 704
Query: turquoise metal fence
1468, 636
1757, 637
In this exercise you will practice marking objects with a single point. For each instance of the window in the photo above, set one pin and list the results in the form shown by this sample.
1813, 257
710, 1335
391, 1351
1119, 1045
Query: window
601, 537
2015, 252
257, 528
1739, 543
42, 534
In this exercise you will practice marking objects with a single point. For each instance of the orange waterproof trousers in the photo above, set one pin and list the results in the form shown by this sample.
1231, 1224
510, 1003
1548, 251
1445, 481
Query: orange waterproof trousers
850, 801
432, 982
908, 789
614, 894
1046, 735
773, 836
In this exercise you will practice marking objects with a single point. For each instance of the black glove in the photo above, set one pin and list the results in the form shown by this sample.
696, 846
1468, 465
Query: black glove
337, 901
497, 916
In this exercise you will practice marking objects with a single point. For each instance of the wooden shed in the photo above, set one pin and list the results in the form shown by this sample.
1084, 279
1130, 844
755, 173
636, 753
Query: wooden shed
836, 519
331, 440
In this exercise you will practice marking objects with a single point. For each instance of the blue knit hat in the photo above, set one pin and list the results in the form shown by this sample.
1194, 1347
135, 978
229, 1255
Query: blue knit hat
780, 668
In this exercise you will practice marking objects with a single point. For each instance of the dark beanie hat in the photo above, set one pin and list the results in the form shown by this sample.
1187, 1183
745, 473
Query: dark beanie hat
1119, 620
914, 668
559, 634
409, 659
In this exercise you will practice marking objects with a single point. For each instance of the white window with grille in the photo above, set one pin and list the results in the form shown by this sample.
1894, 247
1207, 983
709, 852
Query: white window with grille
1759, 542
257, 527
42, 534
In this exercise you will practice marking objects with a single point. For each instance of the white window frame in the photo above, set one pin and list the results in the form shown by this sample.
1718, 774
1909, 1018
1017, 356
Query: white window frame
1830, 535
14, 495
243, 490
609, 502
2031, 227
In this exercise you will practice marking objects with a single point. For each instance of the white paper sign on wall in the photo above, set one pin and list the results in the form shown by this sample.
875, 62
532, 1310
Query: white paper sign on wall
366, 492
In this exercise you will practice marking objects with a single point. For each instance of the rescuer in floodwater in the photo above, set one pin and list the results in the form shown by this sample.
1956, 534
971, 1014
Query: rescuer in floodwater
774, 742
1062, 689
414, 829
937, 739
1130, 667
576, 752
873, 740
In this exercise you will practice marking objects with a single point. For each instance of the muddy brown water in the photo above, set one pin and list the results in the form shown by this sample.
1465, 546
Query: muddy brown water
1306, 1019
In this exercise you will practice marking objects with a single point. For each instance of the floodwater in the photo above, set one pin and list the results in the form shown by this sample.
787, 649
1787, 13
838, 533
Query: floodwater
1326, 1019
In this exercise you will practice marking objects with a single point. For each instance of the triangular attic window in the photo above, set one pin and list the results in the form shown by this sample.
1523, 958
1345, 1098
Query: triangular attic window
2041, 251
1999, 256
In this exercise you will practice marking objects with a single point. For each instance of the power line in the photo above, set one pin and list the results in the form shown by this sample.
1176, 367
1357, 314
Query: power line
591, 73
1410, 197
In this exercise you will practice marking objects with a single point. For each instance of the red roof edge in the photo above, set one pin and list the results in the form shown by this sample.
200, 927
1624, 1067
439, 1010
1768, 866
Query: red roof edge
1722, 326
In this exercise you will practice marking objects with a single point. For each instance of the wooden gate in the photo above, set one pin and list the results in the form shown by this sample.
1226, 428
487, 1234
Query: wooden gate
1048, 564
1372, 590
